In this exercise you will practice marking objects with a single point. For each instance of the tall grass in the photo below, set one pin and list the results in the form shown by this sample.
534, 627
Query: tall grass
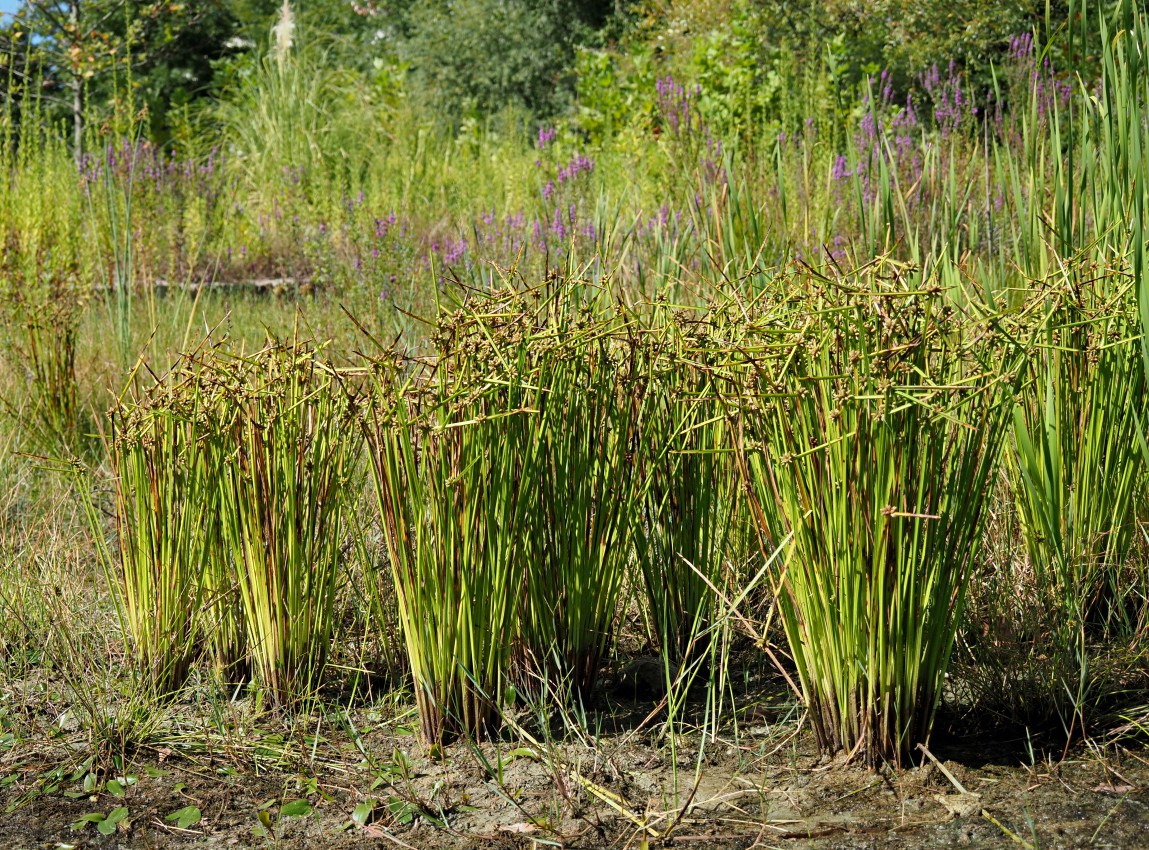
451, 449
1080, 475
165, 509
688, 530
538, 443
592, 435
42, 339
871, 434
509, 491
290, 451
42, 293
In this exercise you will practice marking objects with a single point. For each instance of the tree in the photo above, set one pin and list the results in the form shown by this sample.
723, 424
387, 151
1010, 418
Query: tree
64, 44
478, 56
75, 55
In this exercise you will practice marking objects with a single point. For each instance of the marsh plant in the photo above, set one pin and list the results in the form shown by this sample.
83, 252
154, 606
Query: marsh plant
290, 452
870, 433
593, 432
42, 339
165, 508
507, 496
450, 451
1078, 478
692, 496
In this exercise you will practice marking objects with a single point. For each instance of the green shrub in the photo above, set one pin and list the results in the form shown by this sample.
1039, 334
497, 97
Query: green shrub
477, 57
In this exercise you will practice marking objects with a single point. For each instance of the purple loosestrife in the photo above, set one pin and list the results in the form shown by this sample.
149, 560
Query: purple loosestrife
558, 226
677, 106
690, 139
952, 105
579, 164
455, 252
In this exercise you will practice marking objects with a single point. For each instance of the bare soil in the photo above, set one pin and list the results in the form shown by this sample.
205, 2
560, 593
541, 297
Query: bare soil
765, 787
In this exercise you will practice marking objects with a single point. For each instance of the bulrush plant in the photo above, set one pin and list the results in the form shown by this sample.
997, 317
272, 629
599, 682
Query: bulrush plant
693, 491
593, 434
1079, 476
509, 482
451, 447
165, 507
41, 306
870, 433
291, 455
44, 338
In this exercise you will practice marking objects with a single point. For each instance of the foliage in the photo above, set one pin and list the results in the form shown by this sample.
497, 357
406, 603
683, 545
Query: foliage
290, 457
295, 120
451, 451
79, 53
165, 504
477, 57
738, 251
871, 437
1079, 450
688, 532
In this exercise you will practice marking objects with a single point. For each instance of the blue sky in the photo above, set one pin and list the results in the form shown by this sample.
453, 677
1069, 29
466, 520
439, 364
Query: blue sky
9, 5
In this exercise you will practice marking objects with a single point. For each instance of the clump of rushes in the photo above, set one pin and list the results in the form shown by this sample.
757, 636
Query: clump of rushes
291, 455
451, 445
1079, 477
692, 492
222, 618
870, 434
592, 434
165, 507
508, 481
43, 337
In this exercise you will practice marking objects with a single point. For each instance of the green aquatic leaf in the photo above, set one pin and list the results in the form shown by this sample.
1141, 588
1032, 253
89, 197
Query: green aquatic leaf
295, 809
186, 817
109, 824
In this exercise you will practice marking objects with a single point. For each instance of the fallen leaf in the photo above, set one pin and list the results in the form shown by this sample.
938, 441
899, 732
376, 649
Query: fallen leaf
1110, 788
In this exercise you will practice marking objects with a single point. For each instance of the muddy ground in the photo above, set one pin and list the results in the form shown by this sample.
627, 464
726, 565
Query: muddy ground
365, 780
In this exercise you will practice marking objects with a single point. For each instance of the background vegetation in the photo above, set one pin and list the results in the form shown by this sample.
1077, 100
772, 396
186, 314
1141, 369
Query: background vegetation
498, 342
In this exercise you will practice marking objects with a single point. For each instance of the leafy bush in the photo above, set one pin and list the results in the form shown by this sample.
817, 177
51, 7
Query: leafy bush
477, 57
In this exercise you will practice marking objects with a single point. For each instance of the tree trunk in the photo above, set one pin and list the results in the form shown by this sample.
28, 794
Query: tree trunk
77, 90
78, 119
